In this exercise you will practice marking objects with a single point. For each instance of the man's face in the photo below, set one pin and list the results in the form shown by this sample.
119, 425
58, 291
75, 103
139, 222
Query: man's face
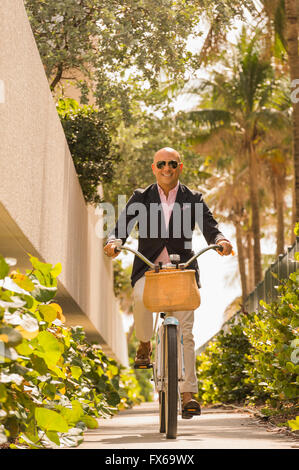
167, 176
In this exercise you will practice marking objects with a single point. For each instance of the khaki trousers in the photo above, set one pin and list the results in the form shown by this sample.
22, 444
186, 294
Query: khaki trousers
144, 331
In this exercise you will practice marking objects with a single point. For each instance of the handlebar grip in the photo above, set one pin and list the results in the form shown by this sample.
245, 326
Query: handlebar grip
220, 248
116, 250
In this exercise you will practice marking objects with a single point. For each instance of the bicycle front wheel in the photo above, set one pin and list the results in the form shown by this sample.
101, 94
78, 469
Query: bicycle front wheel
171, 382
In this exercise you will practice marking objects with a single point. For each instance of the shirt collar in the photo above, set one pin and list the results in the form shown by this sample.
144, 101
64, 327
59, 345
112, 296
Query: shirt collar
172, 191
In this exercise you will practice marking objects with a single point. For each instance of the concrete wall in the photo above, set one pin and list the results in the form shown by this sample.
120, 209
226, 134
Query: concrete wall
42, 209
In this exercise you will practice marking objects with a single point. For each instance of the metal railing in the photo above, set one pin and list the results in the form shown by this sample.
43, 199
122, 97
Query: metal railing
266, 290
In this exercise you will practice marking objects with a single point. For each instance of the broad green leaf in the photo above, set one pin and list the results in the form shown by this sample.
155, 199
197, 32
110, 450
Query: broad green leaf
39, 364
44, 268
294, 424
53, 436
23, 281
49, 390
56, 270
49, 313
50, 420
90, 422
76, 372
43, 293
55, 369
4, 268
30, 302
59, 313
51, 350
74, 414
24, 349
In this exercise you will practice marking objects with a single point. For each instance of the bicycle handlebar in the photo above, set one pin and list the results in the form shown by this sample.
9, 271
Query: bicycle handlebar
152, 265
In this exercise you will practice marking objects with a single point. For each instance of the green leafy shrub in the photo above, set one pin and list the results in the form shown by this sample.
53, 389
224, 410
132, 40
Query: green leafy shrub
221, 367
255, 359
271, 333
53, 383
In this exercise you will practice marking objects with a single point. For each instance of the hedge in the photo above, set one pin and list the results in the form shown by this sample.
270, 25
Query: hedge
256, 359
53, 383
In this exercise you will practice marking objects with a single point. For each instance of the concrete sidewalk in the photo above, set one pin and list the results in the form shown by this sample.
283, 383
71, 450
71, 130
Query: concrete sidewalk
138, 428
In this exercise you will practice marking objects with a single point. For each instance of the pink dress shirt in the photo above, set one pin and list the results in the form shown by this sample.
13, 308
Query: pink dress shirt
167, 206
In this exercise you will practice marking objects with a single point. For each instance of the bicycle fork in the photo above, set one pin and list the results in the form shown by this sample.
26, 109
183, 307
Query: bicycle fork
159, 366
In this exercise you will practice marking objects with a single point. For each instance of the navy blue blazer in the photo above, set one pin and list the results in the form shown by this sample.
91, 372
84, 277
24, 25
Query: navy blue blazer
144, 207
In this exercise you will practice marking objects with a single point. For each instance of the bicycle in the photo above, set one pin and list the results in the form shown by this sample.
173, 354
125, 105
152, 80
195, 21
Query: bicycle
168, 367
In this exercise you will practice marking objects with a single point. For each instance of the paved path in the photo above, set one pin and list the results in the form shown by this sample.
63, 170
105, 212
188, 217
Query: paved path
214, 429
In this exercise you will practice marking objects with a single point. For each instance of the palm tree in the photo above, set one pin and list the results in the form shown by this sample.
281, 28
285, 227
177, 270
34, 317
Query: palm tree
234, 207
292, 20
275, 154
242, 95
283, 34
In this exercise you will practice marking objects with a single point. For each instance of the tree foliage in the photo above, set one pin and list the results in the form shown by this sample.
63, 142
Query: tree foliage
89, 142
106, 41
241, 105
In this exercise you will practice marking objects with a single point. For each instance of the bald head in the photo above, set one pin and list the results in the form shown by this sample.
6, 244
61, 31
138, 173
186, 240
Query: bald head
167, 152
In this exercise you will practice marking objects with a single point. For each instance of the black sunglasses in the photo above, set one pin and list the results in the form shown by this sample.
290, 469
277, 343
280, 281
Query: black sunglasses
172, 163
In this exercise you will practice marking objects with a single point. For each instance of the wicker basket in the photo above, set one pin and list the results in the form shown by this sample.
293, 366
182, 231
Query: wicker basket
171, 290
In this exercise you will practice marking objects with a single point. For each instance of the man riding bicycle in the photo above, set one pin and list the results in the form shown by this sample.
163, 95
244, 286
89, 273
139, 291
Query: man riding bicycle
168, 212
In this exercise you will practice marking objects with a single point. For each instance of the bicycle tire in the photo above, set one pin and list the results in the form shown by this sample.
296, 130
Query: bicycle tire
171, 383
162, 411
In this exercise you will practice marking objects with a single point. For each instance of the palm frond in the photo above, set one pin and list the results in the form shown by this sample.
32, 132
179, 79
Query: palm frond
212, 117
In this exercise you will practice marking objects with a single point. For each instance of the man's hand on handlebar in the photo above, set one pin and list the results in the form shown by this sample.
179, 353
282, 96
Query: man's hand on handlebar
227, 248
111, 250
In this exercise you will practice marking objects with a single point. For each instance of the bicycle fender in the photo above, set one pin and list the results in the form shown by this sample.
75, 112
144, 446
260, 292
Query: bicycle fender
171, 321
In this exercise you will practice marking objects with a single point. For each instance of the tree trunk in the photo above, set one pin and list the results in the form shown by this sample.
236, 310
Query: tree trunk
279, 219
277, 184
255, 213
241, 260
57, 78
250, 272
292, 49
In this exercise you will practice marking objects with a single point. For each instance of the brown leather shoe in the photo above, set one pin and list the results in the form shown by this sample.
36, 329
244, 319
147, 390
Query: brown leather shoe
143, 354
190, 409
